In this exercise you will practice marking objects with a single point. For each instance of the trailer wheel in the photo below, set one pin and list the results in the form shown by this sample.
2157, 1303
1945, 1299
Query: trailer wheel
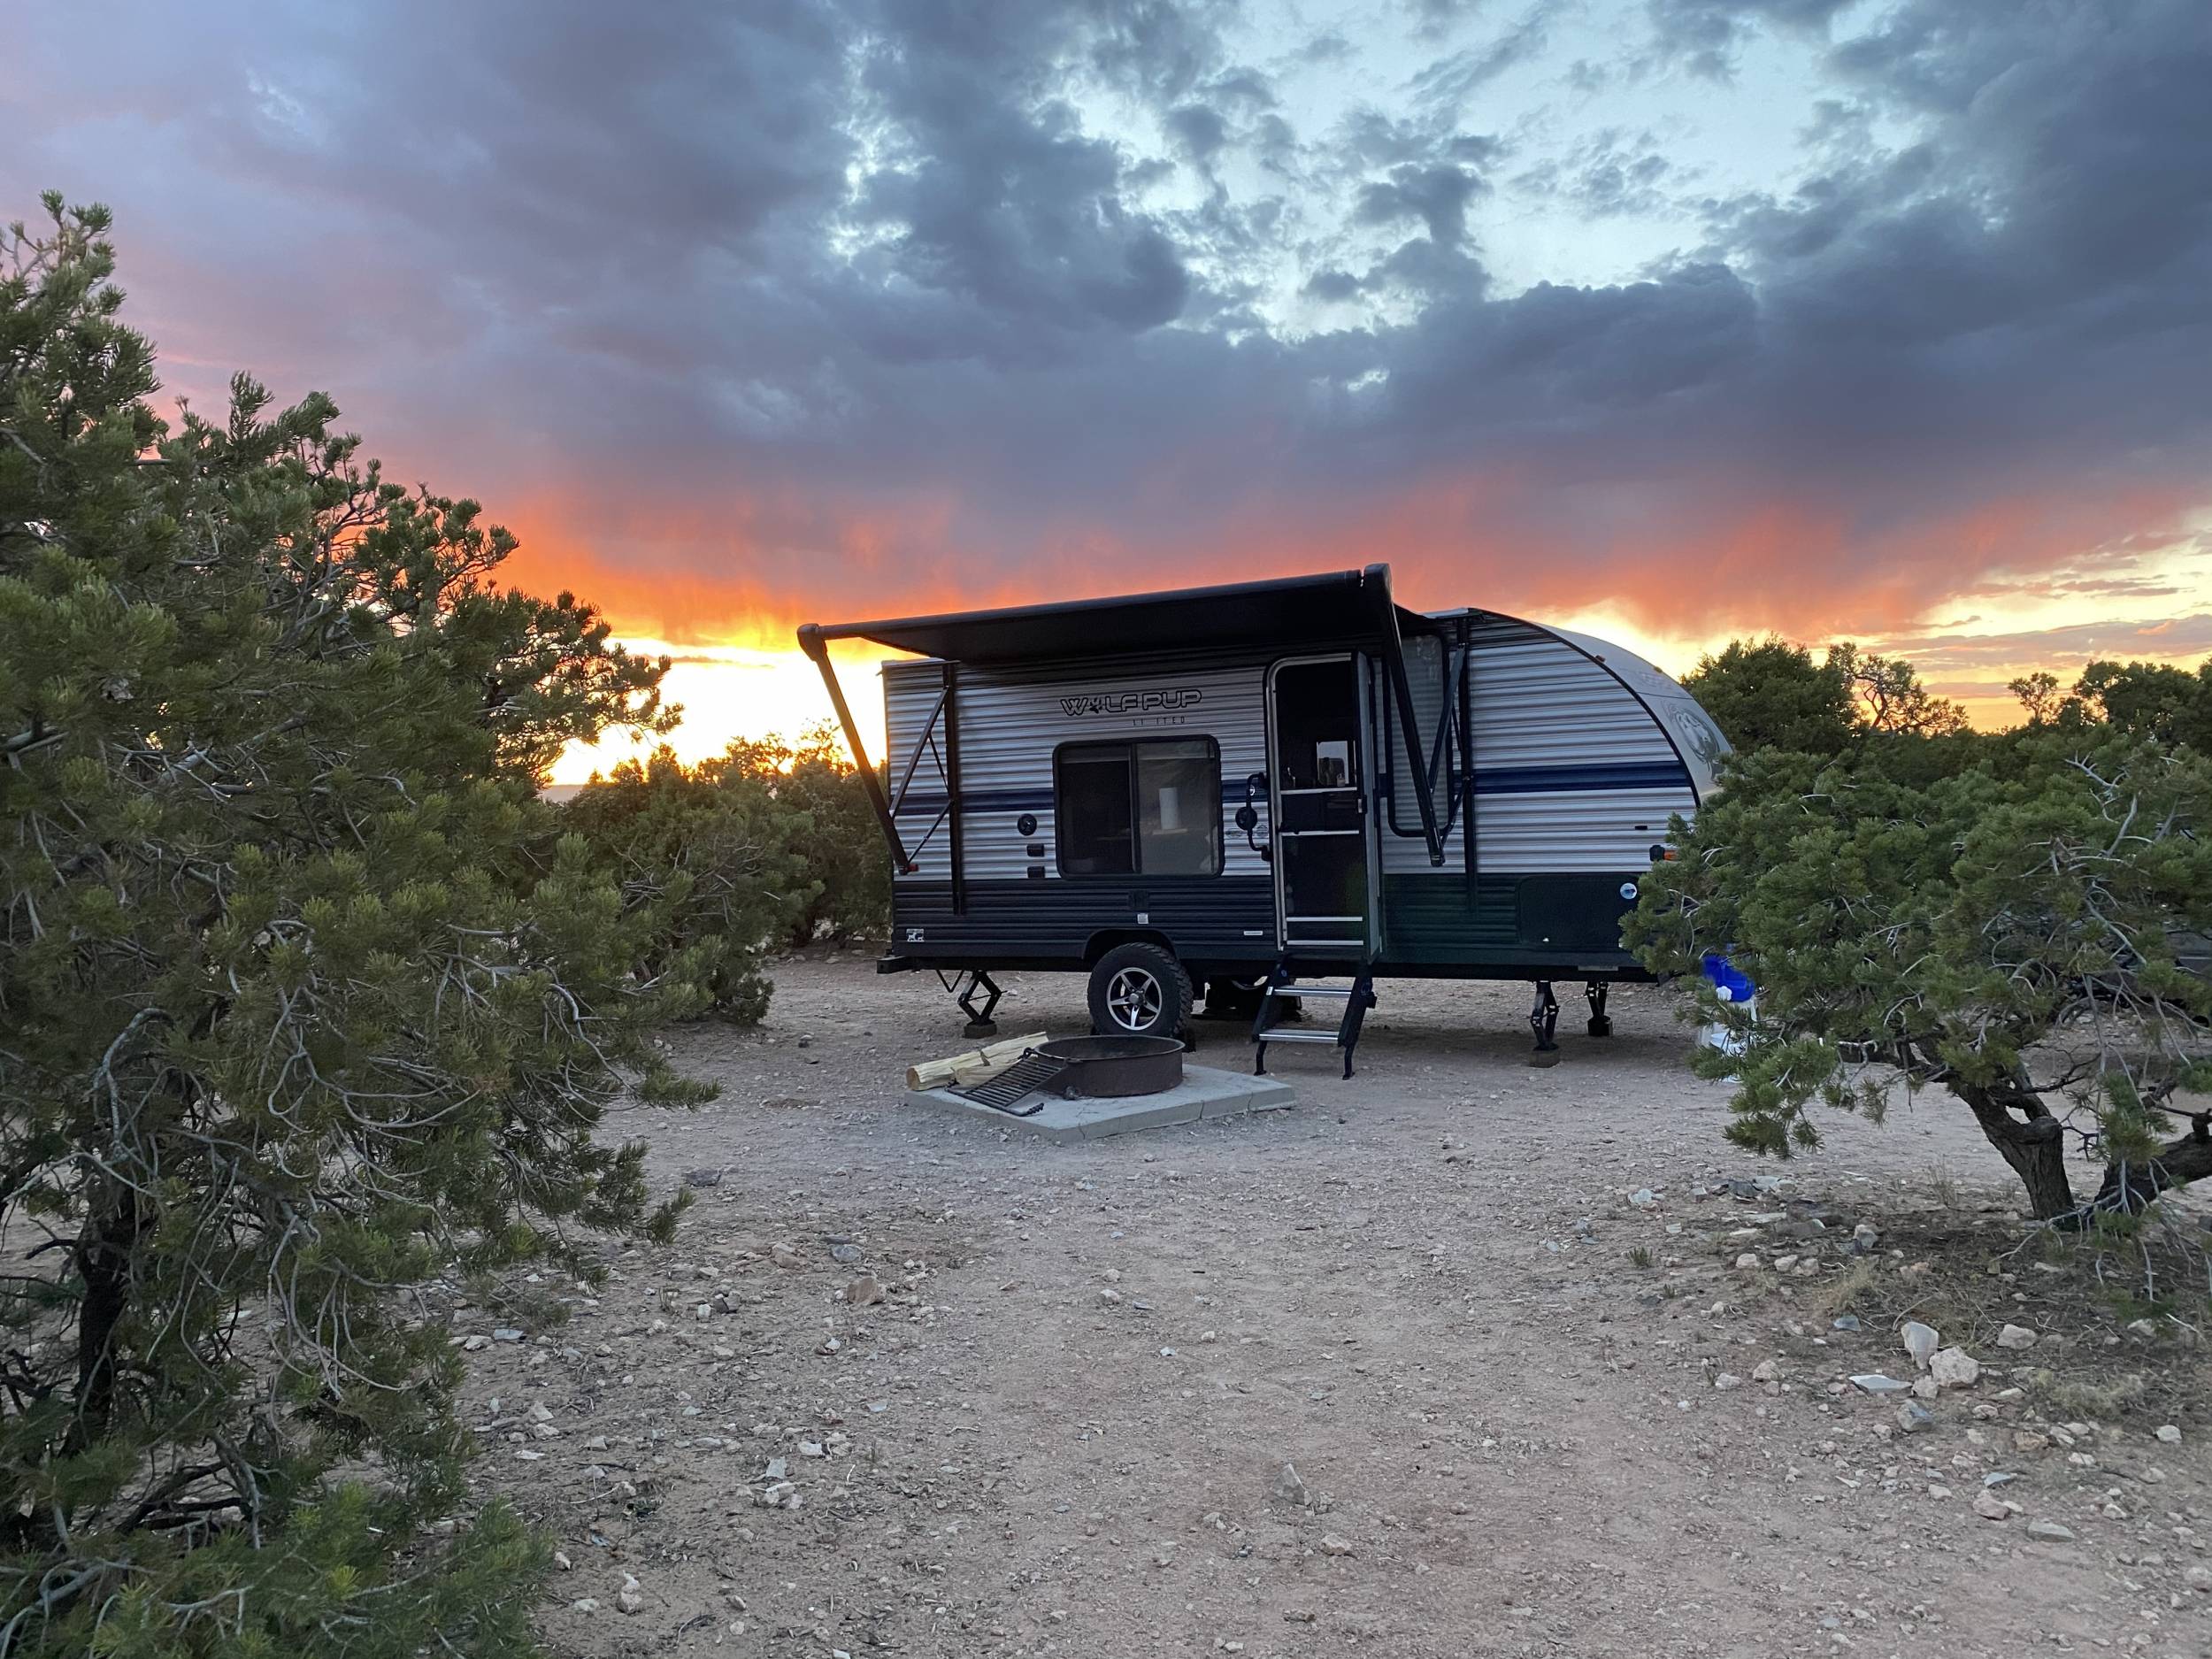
1139, 990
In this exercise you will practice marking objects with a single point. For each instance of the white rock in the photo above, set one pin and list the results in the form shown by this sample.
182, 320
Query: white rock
1921, 1341
1747, 1261
1331, 1545
1644, 1198
1875, 1383
1953, 1368
2016, 1336
1767, 1370
2050, 1531
1290, 1486
1727, 1380
2170, 1432
1990, 1506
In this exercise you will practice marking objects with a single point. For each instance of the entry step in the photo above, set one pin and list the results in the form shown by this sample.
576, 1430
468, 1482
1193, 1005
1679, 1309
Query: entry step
1357, 998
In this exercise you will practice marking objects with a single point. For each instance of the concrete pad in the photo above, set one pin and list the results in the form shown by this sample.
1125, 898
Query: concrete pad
1203, 1093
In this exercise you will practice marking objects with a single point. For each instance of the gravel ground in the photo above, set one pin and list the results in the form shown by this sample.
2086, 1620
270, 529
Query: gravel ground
1065, 1428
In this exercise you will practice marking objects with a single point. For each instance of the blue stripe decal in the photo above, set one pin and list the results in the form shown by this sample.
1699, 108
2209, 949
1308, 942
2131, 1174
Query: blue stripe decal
1665, 774
981, 800
1662, 774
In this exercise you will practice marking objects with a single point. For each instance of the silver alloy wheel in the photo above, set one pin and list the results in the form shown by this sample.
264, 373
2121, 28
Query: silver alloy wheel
1135, 997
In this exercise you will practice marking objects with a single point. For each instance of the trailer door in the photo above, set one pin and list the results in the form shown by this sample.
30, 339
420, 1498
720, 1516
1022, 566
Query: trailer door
1324, 880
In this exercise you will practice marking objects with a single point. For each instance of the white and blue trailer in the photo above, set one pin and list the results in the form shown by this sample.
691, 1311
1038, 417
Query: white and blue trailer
1250, 791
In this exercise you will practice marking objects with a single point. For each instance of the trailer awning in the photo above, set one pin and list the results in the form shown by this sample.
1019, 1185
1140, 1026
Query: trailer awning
1347, 609
1343, 607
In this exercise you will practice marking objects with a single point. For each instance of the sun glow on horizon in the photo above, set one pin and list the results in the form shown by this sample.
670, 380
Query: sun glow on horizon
748, 687
728, 692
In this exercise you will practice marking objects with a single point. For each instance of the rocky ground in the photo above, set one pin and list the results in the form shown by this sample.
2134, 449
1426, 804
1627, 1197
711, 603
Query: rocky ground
1459, 1358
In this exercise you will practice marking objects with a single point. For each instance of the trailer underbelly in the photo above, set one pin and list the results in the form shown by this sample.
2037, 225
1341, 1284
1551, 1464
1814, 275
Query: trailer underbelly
1440, 926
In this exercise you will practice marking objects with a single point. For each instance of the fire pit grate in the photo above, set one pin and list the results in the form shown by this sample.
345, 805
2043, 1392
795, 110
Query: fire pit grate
1031, 1073
1082, 1068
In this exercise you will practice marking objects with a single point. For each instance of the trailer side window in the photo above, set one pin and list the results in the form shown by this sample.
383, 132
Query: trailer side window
1150, 808
1092, 807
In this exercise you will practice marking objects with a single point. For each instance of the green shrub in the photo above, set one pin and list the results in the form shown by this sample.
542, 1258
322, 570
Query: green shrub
305, 998
2027, 934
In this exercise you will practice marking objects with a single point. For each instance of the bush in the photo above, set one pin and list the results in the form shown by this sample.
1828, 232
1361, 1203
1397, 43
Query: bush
2025, 933
775, 845
729, 841
831, 828
303, 999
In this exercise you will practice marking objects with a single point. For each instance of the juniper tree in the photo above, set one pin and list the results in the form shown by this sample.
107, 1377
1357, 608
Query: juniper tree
1769, 694
833, 828
2029, 937
303, 999
740, 852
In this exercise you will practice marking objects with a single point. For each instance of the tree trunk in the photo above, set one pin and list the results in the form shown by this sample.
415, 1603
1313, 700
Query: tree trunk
2033, 1142
106, 1256
2129, 1188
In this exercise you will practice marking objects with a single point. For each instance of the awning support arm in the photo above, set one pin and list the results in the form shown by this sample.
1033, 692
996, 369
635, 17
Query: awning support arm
1443, 751
928, 741
1467, 754
1402, 690
810, 642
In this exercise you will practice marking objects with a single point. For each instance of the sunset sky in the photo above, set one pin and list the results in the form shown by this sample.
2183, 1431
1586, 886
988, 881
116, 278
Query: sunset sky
1671, 319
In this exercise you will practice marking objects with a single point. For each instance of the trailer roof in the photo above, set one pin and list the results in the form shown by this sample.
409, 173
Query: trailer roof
1339, 607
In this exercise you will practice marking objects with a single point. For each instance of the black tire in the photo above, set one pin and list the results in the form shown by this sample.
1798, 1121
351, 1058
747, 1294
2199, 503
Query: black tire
1139, 991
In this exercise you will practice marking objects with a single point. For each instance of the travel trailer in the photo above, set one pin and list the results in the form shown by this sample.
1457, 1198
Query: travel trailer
1267, 793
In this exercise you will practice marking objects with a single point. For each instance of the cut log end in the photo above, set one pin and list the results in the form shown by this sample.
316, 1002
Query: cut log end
974, 1065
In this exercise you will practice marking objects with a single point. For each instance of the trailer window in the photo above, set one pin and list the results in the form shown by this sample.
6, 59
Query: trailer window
1150, 808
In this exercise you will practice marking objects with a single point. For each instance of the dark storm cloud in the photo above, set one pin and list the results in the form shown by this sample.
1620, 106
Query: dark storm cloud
1707, 34
1610, 173
1457, 77
840, 303
1436, 197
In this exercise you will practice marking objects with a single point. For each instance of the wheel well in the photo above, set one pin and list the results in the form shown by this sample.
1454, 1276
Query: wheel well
1107, 940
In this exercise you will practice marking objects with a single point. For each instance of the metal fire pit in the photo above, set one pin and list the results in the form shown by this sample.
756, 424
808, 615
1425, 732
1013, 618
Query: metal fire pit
1101, 1068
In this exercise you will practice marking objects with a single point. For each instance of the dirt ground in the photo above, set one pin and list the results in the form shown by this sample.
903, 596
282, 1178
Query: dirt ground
1493, 1315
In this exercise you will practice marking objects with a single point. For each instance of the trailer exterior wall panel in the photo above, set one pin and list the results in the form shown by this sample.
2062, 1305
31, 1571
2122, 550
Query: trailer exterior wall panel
1581, 754
1018, 904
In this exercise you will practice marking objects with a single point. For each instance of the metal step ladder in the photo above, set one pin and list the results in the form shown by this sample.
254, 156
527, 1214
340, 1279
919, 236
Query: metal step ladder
1357, 998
